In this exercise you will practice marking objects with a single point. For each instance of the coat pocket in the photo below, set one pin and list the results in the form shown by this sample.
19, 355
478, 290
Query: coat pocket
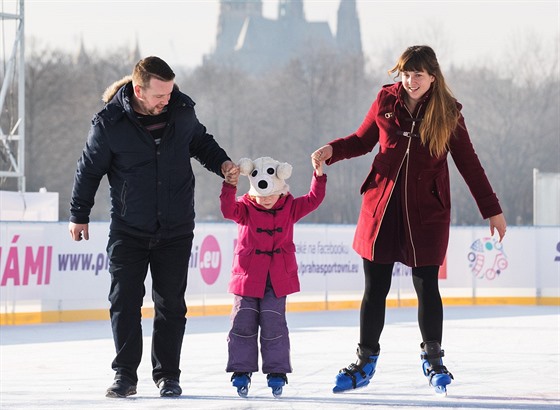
433, 196
289, 254
123, 199
377, 177
374, 187
242, 260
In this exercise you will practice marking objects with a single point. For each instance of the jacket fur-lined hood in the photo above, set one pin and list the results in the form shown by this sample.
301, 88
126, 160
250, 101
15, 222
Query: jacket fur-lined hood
110, 91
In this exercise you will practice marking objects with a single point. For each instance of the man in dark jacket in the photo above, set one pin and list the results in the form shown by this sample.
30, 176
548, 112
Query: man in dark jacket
143, 140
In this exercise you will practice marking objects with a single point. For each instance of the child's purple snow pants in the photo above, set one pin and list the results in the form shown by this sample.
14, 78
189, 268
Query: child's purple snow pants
246, 316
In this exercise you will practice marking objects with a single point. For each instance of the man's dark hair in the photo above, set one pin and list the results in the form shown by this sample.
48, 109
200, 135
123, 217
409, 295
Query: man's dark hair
151, 67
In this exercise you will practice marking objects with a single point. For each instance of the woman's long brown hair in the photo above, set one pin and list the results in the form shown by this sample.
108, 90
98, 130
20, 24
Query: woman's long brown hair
442, 114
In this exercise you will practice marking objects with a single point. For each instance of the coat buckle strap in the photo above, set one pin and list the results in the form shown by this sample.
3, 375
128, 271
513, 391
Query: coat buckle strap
408, 134
269, 231
269, 253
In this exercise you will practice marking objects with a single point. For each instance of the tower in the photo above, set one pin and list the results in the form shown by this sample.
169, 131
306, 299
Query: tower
83, 57
233, 14
290, 9
348, 35
135, 54
254, 43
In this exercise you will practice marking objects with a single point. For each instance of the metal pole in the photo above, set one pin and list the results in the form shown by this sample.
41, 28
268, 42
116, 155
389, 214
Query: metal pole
535, 195
21, 99
15, 166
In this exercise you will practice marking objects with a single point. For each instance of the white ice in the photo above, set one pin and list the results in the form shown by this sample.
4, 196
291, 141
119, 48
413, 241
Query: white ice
502, 357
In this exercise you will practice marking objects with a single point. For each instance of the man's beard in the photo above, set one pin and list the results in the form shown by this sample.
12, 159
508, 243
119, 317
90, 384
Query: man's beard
155, 111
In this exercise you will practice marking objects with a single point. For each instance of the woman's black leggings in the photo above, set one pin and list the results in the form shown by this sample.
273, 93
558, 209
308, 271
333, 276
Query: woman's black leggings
377, 285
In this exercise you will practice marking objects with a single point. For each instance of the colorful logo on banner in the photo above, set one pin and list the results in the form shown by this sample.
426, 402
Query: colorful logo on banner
487, 259
210, 259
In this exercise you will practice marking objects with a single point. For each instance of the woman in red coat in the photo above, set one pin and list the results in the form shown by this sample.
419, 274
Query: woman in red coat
405, 213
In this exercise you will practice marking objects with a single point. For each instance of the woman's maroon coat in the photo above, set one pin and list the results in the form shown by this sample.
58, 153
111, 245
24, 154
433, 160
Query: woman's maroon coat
425, 191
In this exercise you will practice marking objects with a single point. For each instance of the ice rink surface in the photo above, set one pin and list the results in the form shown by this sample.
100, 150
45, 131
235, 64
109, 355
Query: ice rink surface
502, 357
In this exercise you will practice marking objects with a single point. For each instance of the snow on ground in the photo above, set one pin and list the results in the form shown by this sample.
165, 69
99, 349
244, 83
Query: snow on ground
502, 357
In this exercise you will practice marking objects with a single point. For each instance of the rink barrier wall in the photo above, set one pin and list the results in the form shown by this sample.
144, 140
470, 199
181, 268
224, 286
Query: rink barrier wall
47, 277
224, 310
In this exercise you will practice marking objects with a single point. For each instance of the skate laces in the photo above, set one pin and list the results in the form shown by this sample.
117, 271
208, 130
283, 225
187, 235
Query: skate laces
438, 369
235, 375
352, 370
435, 368
278, 375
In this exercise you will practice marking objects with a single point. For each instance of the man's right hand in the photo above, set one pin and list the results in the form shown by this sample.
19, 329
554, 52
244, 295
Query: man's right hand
78, 231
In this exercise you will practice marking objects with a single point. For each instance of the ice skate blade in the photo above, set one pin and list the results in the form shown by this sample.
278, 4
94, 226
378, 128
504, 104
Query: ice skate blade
441, 391
243, 391
337, 389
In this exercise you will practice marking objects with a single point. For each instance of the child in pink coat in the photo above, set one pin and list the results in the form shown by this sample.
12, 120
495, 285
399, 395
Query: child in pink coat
264, 268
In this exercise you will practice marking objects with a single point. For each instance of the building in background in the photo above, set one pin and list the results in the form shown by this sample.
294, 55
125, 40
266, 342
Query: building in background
253, 43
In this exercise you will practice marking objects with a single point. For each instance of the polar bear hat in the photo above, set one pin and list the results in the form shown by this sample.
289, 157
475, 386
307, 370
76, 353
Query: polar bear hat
266, 176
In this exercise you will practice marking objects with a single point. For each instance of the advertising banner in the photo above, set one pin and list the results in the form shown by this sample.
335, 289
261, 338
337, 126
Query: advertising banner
42, 269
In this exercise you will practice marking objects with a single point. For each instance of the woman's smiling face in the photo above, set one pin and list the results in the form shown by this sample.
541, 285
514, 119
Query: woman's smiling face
416, 83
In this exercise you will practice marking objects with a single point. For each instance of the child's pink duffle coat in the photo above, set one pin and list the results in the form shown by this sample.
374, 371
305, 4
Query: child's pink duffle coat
265, 239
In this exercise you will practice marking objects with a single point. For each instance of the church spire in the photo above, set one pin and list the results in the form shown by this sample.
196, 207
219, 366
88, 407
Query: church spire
82, 58
348, 35
135, 54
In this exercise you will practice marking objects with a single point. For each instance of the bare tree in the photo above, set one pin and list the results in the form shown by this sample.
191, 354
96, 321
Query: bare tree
514, 124
512, 116
52, 117
225, 103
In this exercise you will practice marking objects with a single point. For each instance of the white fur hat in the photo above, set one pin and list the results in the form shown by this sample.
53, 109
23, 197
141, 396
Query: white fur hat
266, 175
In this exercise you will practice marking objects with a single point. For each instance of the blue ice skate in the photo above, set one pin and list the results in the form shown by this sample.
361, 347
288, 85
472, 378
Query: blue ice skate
432, 366
358, 374
242, 381
276, 382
